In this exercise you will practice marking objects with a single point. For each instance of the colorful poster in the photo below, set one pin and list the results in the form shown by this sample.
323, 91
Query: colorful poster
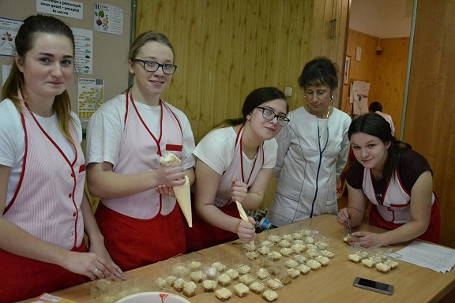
90, 97
8, 31
108, 19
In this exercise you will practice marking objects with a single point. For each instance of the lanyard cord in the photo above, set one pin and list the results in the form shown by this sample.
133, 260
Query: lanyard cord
321, 151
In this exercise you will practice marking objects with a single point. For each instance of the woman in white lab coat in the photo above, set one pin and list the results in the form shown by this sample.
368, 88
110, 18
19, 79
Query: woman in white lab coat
313, 149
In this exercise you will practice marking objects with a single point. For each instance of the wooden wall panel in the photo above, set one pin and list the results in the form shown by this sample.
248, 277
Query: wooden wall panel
225, 49
430, 111
385, 72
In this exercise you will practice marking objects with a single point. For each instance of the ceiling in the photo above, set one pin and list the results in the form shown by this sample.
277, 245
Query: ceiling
382, 18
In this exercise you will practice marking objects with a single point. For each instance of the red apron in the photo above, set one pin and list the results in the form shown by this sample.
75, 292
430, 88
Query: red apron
133, 242
433, 230
203, 235
39, 277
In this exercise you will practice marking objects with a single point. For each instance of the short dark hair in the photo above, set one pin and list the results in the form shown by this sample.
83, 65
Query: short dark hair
319, 71
375, 107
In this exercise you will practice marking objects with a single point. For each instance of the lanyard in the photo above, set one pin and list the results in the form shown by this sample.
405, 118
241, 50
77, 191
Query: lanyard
157, 140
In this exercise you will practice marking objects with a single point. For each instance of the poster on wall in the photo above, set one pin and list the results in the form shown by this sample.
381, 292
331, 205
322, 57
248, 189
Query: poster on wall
8, 32
83, 60
66, 8
108, 19
90, 94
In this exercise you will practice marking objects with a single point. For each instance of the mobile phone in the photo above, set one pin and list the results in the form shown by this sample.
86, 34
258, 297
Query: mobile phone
380, 287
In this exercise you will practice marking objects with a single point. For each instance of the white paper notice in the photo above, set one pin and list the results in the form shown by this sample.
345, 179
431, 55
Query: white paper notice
434, 257
83, 39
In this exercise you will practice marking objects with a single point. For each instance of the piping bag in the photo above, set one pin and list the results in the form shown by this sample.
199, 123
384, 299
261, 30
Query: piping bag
244, 217
182, 192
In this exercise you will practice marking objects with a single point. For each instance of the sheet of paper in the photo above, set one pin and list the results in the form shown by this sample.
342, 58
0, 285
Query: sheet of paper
434, 257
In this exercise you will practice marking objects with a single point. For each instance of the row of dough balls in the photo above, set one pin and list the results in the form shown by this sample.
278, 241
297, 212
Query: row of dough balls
295, 267
379, 261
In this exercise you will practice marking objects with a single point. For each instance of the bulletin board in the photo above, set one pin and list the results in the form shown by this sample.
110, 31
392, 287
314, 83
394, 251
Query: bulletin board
102, 71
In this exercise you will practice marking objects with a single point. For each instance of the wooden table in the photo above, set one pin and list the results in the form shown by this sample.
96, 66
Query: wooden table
332, 283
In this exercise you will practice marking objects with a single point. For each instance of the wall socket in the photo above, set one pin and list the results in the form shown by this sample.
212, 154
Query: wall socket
288, 91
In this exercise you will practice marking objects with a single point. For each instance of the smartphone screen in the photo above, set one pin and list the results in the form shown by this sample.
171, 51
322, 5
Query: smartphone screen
373, 285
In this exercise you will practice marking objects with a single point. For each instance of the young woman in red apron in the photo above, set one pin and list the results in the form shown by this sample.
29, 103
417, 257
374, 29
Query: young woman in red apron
138, 214
234, 163
42, 172
395, 179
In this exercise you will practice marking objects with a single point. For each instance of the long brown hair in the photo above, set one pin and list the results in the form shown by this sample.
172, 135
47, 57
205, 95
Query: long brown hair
25, 41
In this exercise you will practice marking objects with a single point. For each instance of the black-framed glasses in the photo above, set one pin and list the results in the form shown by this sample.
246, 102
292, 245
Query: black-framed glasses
153, 66
269, 115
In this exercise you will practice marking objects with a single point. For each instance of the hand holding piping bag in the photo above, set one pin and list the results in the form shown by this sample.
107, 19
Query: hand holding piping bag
182, 192
244, 217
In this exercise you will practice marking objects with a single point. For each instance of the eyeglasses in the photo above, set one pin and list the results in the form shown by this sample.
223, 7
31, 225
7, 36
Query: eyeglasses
269, 115
152, 66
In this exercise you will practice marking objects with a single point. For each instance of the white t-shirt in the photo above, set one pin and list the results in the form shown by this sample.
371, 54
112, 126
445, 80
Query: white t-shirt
12, 140
217, 149
105, 128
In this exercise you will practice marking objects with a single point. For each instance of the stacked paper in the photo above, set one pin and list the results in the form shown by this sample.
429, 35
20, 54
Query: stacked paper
432, 256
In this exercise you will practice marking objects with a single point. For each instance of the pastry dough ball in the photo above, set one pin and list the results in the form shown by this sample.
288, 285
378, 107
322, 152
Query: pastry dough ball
274, 255
270, 295
263, 273
284, 243
224, 279
313, 264
263, 250
223, 294
241, 290
274, 238
232, 273
308, 240
393, 264
189, 289
382, 267
249, 246
304, 269
246, 279
209, 285
368, 262
195, 265
219, 266
257, 287
293, 273
354, 257
327, 253
289, 238
178, 284
197, 276
312, 253
323, 260
252, 255
300, 258
286, 251
274, 283
243, 269
291, 263
298, 248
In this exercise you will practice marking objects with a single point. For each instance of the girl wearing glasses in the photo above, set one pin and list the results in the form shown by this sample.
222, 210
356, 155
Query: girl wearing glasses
234, 163
312, 150
138, 214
